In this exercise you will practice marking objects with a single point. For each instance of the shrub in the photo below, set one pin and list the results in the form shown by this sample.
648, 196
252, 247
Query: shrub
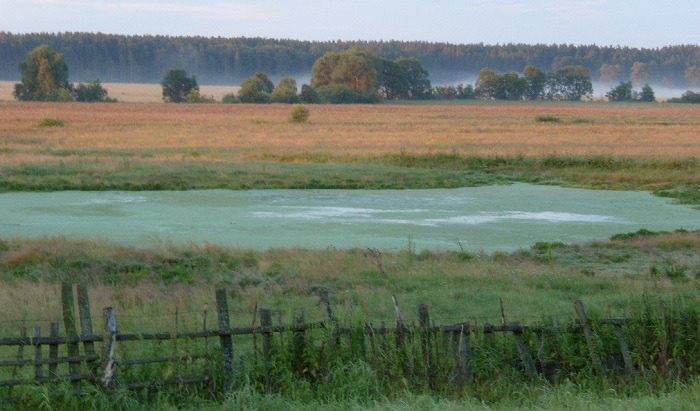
547, 119
300, 114
229, 98
51, 122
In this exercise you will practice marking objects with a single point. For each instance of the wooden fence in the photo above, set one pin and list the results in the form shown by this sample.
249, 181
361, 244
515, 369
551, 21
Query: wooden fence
80, 355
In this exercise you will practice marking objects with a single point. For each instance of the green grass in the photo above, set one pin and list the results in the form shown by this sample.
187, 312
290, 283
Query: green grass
635, 275
667, 178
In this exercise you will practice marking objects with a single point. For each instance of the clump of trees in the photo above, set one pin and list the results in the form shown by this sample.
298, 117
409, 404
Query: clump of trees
625, 92
568, 83
45, 78
689, 96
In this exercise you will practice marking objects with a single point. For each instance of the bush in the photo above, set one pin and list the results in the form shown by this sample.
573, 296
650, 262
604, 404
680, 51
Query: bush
339, 94
300, 114
548, 119
51, 122
229, 98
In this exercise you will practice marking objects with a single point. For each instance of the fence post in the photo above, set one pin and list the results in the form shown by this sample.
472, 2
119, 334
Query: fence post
266, 323
53, 351
298, 343
225, 337
626, 354
525, 355
68, 304
588, 333
424, 321
38, 372
86, 329
326, 302
109, 342
461, 349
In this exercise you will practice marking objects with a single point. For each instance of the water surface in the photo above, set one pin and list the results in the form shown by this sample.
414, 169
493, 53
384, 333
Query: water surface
482, 218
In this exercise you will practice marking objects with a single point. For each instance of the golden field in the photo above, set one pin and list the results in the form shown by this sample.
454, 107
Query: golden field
221, 132
132, 93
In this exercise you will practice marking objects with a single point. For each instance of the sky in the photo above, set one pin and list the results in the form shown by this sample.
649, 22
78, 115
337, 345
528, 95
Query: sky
633, 23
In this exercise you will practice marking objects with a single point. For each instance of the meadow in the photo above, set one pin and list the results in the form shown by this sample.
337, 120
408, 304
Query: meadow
152, 145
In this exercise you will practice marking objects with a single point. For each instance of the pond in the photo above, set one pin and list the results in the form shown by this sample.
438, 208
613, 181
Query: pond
505, 217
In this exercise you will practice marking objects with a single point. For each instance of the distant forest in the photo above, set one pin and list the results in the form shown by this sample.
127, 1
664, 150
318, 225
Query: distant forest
227, 61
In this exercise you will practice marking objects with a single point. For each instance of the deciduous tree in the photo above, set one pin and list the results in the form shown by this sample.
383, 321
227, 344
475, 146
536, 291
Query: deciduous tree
177, 86
44, 77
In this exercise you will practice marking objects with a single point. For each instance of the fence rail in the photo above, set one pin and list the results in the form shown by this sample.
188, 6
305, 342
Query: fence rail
420, 349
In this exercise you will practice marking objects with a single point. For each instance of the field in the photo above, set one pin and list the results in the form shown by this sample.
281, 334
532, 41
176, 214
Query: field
151, 145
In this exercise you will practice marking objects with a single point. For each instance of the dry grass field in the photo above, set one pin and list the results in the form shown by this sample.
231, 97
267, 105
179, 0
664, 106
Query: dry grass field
132, 93
221, 132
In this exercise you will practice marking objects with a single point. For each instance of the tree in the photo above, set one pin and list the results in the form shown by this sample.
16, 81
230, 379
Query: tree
354, 69
509, 86
574, 82
268, 85
392, 79
286, 91
622, 92
254, 90
692, 74
647, 94
309, 95
44, 77
92, 92
610, 73
418, 78
640, 73
485, 84
177, 86
536, 82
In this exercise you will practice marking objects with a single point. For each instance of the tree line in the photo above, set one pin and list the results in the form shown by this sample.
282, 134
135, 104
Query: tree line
351, 76
217, 60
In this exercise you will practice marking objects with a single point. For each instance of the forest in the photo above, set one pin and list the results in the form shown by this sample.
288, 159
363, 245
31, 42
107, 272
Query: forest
227, 61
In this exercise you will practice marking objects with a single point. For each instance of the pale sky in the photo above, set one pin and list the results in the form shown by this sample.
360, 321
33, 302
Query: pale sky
634, 23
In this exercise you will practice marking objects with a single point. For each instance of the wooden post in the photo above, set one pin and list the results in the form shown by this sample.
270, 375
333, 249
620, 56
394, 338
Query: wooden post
20, 352
424, 321
326, 303
38, 372
53, 351
399, 324
71, 329
525, 355
299, 343
86, 329
626, 354
588, 333
109, 344
266, 322
210, 368
461, 349
225, 337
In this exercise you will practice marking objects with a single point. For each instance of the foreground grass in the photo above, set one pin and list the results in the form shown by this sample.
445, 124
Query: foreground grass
147, 286
542, 281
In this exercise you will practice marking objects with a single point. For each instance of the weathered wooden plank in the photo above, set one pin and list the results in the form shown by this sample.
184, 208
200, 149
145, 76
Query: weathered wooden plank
588, 333
109, 343
86, 327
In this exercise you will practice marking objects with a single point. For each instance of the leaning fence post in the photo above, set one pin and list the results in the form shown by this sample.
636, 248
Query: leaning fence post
326, 302
71, 329
461, 349
424, 321
225, 337
525, 355
109, 344
86, 329
588, 333
626, 354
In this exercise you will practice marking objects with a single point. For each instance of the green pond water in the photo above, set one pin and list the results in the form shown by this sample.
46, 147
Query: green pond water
483, 218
